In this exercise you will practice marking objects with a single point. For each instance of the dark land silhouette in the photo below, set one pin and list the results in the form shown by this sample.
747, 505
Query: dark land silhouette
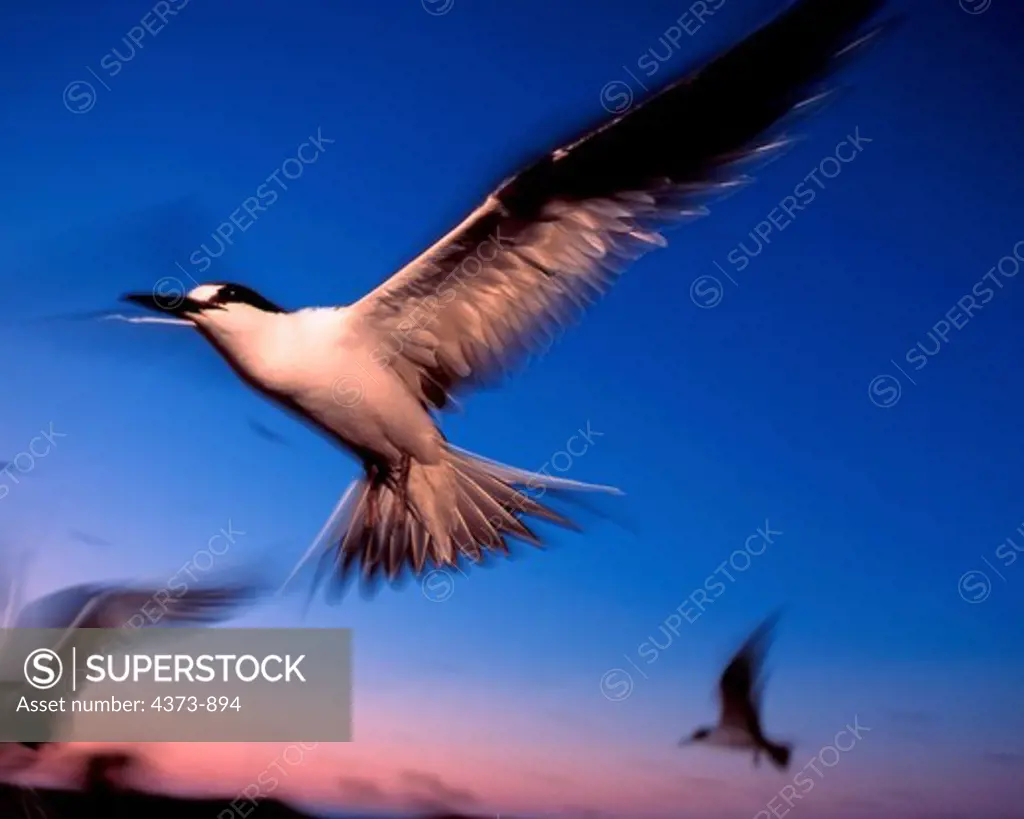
104, 791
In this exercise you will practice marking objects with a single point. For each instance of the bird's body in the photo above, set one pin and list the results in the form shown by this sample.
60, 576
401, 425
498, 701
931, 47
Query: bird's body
493, 291
732, 737
319, 361
739, 689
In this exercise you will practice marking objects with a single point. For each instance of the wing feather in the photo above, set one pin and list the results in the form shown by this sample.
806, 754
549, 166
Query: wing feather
741, 682
553, 239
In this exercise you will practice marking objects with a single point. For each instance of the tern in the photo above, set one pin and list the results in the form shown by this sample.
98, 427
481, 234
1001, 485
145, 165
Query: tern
371, 375
739, 689
101, 606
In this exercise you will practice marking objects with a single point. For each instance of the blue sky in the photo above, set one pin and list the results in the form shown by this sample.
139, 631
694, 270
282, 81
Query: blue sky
713, 420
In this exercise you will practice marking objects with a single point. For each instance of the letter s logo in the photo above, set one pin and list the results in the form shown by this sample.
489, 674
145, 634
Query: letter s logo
39, 669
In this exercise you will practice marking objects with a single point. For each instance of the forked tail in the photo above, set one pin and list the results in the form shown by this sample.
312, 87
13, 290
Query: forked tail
463, 506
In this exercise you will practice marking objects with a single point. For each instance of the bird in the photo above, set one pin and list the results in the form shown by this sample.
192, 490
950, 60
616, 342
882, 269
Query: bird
89, 539
739, 690
105, 606
266, 433
373, 375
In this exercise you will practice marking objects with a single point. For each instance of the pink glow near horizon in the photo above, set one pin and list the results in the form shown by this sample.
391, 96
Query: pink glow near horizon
337, 774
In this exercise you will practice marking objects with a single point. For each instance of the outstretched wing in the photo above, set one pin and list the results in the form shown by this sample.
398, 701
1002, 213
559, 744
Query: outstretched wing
118, 607
80, 611
553, 238
121, 607
740, 686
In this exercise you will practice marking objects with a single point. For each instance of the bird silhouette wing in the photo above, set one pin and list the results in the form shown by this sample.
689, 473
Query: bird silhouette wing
742, 681
115, 607
90, 607
552, 239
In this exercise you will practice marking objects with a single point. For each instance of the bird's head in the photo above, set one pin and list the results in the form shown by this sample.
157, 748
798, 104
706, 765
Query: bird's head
699, 735
208, 304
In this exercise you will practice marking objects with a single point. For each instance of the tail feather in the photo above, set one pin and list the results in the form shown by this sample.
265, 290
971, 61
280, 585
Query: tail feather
779, 752
522, 477
463, 507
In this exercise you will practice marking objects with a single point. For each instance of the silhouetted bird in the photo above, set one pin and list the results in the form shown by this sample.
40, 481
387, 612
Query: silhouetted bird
266, 433
739, 724
89, 539
494, 290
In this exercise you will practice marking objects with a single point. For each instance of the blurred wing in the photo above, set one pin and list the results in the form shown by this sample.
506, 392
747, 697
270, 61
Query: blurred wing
59, 609
741, 682
552, 239
109, 607
114, 608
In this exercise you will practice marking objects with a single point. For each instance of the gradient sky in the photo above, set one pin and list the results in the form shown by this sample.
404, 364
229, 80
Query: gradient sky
712, 420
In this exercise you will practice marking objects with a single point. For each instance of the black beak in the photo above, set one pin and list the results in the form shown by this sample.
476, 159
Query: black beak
171, 304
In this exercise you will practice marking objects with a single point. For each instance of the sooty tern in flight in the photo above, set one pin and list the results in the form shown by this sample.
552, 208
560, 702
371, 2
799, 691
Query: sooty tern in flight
542, 247
739, 690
